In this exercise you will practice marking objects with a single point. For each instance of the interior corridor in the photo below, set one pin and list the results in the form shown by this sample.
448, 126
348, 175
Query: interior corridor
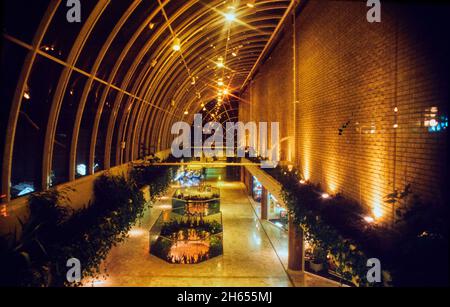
250, 257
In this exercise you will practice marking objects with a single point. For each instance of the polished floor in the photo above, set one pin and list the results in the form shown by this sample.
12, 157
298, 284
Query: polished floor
255, 253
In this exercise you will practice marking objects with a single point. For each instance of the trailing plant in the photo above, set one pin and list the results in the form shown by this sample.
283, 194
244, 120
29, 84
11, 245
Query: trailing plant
157, 177
418, 239
53, 234
335, 225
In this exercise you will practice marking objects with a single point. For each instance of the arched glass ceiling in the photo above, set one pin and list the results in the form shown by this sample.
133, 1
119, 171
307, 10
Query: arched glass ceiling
91, 95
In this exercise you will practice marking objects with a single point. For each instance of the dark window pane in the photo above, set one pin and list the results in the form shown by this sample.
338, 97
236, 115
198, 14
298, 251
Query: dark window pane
102, 30
12, 57
21, 18
31, 127
102, 130
61, 34
66, 120
115, 144
84, 137
125, 34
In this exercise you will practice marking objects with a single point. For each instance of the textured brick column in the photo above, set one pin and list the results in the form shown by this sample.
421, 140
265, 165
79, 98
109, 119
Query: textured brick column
264, 203
296, 257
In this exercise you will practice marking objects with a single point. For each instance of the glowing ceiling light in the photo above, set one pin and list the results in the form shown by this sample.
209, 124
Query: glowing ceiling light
220, 63
220, 82
302, 181
251, 3
225, 91
230, 16
186, 112
176, 44
234, 54
27, 96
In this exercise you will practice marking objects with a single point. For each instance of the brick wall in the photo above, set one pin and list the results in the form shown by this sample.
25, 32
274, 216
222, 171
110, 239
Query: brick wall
350, 71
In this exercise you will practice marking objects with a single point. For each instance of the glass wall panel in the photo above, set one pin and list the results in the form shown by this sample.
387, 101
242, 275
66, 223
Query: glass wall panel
61, 34
31, 127
115, 141
125, 34
14, 12
63, 136
100, 33
87, 121
11, 61
102, 131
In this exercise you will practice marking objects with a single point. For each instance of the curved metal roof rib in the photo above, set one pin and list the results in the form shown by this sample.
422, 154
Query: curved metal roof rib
146, 84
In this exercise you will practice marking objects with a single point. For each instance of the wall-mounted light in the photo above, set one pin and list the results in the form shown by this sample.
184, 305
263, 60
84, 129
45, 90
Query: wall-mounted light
325, 195
369, 219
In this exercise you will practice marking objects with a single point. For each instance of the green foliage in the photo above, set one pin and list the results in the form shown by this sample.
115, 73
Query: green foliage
421, 254
53, 234
157, 177
413, 252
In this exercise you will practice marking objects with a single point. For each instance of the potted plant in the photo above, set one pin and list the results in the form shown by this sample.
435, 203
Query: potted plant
318, 260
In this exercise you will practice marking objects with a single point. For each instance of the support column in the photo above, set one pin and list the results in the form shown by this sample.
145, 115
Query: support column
248, 177
242, 168
264, 203
296, 257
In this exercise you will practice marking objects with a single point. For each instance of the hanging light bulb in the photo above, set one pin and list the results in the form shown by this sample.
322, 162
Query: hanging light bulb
26, 93
225, 91
220, 82
220, 63
186, 112
176, 44
251, 3
230, 16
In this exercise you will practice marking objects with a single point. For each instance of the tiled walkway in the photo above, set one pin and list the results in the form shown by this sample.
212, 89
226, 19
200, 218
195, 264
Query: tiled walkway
249, 257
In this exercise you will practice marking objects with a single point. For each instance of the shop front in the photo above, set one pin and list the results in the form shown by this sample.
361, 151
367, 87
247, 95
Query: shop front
277, 213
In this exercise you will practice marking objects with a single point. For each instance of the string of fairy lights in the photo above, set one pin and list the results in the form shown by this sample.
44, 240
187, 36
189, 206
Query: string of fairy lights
219, 85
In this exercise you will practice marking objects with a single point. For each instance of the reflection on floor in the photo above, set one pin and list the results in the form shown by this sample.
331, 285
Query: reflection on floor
249, 256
